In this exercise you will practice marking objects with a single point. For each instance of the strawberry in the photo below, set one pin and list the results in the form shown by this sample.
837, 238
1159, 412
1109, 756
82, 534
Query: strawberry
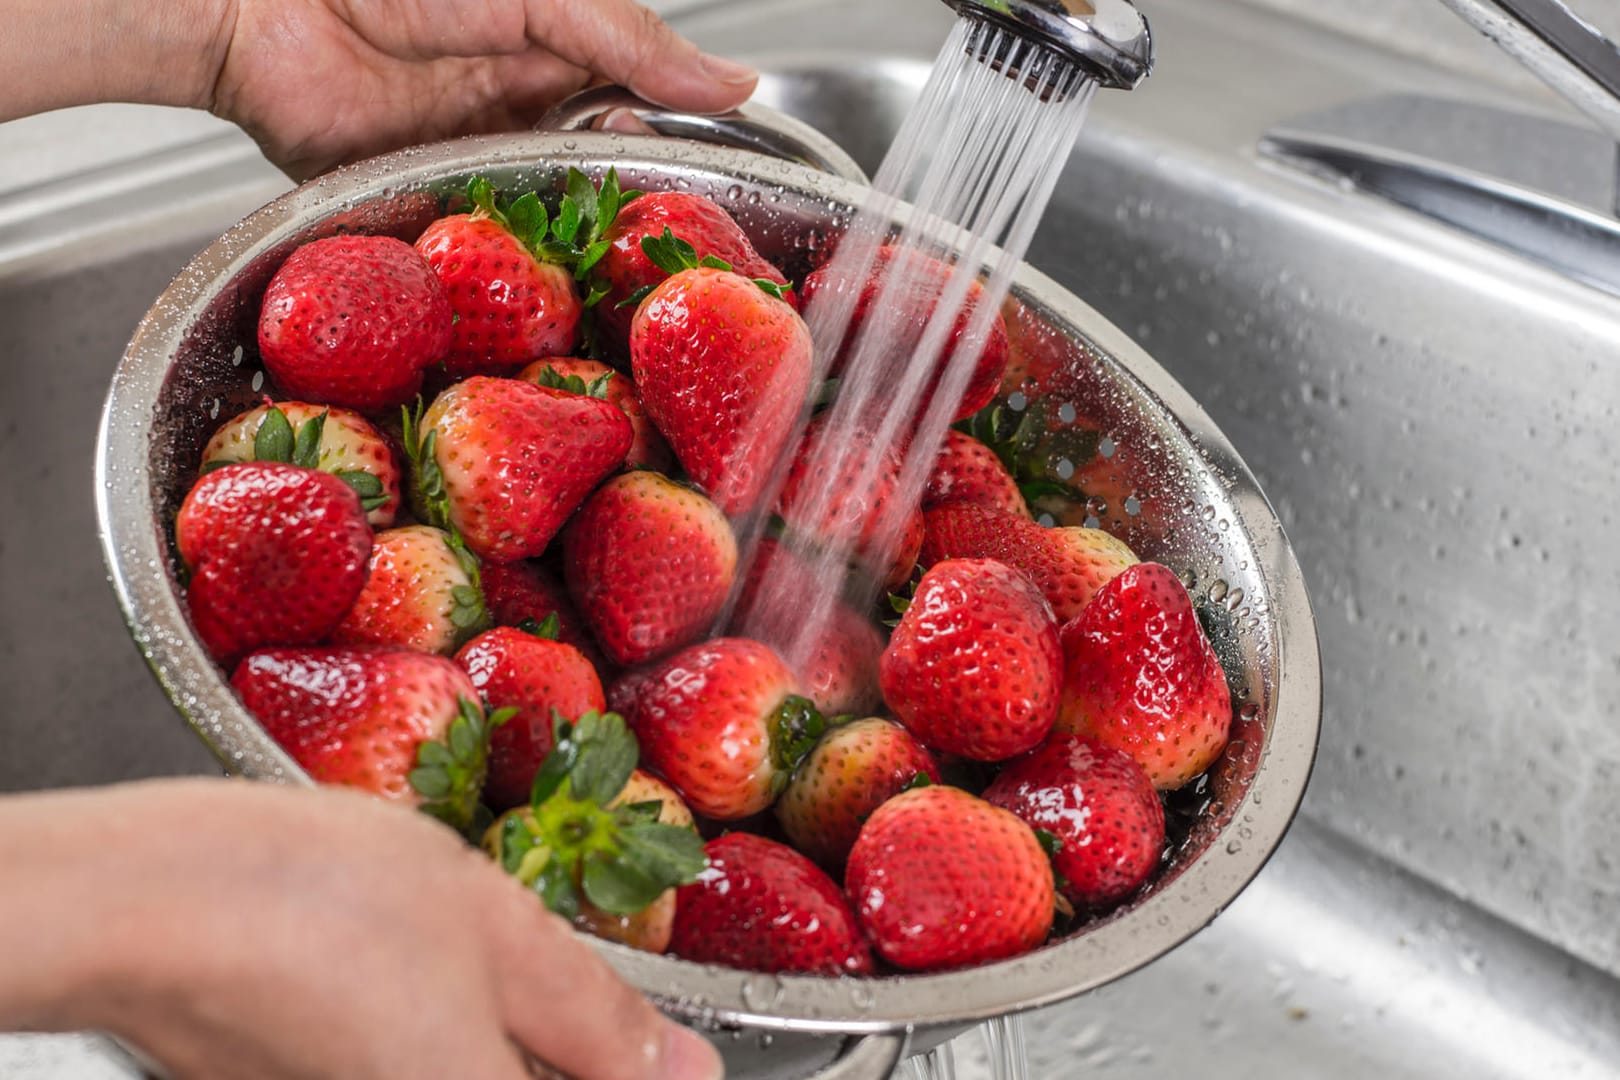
722, 721
1099, 808
837, 496
927, 279
276, 555
969, 471
610, 866
626, 271
761, 906
650, 564
525, 595
975, 667
539, 677
353, 321
505, 462
337, 441
723, 369
510, 282
644, 787
402, 725
422, 594
648, 449
854, 769
941, 879
1140, 676
1068, 565
840, 672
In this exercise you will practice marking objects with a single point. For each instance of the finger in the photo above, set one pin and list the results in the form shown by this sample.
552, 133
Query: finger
626, 42
566, 1006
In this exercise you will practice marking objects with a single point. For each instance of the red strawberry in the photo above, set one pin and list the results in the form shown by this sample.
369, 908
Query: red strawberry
836, 496
353, 321
1068, 565
969, 471
761, 906
626, 268
650, 564
534, 675
522, 593
403, 725
648, 450
276, 555
1099, 806
609, 864
840, 673
422, 594
722, 721
1142, 677
975, 667
506, 462
512, 302
723, 370
854, 769
337, 441
941, 879
928, 278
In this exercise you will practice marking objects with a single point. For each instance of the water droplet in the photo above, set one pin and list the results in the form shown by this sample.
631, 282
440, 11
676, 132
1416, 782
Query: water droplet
734, 192
1217, 591
1234, 846
762, 992
1250, 711
861, 996
258, 381
1096, 506
765, 1040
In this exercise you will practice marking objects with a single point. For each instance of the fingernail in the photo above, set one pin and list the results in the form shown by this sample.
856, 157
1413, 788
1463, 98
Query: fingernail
689, 1056
728, 71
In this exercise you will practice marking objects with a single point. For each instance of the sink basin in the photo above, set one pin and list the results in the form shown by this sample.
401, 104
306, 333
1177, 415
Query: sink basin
1433, 417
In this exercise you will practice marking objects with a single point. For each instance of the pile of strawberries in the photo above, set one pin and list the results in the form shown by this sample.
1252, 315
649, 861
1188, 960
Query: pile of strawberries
499, 607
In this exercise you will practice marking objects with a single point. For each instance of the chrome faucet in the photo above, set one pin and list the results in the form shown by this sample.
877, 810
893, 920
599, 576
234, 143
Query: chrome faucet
1567, 53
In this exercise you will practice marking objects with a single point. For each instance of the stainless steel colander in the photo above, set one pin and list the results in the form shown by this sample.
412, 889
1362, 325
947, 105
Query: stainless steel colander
1166, 480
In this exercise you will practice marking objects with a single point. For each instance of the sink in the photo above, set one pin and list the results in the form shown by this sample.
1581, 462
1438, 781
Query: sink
1433, 417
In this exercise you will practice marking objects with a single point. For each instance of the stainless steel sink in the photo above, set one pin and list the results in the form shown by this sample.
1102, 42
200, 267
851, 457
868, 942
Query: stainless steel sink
1433, 416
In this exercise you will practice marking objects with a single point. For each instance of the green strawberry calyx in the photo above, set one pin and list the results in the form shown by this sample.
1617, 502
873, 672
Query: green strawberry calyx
1020, 438
672, 255
468, 613
276, 441
450, 772
573, 236
553, 379
570, 846
794, 726
547, 628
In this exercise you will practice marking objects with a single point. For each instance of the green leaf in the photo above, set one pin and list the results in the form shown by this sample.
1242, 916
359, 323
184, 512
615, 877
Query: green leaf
672, 853
215, 466
629, 195
646, 811
558, 251
598, 290
592, 255
608, 201
582, 193
795, 725
528, 220
501, 716
481, 193
547, 628
1049, 842
669, 252
365, 484
921, 780
554, 769
430, 782
463, 739
556, 887
714, 262
899, 604
434, 754
566, 227
608, 754
598, 387
306, 451
769, 287
274, 440
552, 378
517, 840
619, 886
635, 298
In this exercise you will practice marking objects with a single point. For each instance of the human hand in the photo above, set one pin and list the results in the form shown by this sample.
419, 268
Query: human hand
242, 930
322, 82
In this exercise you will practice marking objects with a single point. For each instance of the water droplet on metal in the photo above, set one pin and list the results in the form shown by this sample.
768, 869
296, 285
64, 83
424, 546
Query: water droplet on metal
762, 992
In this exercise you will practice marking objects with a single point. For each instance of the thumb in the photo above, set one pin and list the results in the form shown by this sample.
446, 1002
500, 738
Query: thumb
625, 42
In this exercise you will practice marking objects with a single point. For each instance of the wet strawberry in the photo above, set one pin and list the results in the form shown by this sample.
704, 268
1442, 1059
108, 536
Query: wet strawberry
541, 679
925, 282
975, 666
722, 721
525, 595
854, 769
723, 369
969, 471
1102, 812
353, 321
402, 725
648, 449
276, 555
1140, 676
422, 593
506, 462
941, 879
761, 906
1068, 565
337, 441
643, 787
650, 564
626, 270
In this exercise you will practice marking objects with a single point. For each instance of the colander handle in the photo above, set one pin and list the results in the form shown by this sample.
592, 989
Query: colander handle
751, 126
867, 1057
